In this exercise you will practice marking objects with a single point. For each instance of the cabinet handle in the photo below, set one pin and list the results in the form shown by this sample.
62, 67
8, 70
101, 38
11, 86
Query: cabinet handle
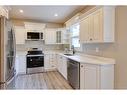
91, 39
81, 65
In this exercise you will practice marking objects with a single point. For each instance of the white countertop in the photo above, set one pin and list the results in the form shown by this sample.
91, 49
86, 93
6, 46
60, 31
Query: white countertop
91, 59
18, 53
80, 58
52, 52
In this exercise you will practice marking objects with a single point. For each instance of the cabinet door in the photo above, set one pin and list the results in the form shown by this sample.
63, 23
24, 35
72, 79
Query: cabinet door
47, 61
50, 36
17, 65
65, 36
21, 64
59, 64
4, 12
97, 26
50, 61
58, 36
91, 29
20, 35
89, 76
64, 67
84, 30
53, 61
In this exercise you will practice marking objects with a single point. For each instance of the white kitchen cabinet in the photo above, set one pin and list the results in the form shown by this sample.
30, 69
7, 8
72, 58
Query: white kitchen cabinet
84, 29
4, 12
57, 36
65, 36
59, 63
50, 62
96, 76
98, 26
62, 65
34, 27
20, 34
50, 36
20, 64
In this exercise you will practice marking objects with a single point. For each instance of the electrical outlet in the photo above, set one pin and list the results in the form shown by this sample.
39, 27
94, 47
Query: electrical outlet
97, 49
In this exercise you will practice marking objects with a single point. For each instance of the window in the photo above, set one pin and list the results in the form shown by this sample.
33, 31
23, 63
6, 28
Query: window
75, 35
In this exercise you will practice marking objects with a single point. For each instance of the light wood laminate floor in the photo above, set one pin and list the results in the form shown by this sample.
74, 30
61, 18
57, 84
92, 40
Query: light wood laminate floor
48, 80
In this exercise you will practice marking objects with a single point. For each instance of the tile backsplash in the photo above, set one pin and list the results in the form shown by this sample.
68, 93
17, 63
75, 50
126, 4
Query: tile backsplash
38, 44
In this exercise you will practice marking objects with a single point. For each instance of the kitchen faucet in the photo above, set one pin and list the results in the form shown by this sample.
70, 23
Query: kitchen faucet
73, 50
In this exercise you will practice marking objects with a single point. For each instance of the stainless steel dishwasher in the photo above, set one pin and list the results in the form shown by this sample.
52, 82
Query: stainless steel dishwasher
73, 73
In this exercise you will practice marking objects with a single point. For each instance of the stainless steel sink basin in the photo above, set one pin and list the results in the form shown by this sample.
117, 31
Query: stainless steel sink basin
69, 54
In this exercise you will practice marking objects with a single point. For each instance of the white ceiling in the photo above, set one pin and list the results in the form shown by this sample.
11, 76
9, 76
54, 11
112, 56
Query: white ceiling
45, 13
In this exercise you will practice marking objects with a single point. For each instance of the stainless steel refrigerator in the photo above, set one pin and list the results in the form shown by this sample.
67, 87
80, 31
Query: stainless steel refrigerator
7, 54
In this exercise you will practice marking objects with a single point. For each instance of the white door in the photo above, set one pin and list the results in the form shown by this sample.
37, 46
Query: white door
84, 30
50, 36
21, 64
59, 64
47, 62
20, 34
89, 76
53, 61
97, 26
64, 67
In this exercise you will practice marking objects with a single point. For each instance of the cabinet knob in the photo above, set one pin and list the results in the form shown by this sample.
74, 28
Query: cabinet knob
81, 65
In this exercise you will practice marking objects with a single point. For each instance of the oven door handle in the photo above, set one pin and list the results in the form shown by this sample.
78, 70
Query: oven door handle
35, 55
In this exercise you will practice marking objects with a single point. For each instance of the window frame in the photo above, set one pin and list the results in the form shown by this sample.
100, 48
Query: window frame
77, 36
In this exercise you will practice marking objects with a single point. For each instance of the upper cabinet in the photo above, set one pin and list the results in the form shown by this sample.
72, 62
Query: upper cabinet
20, 34
98, 26
56, 36
37, 28
65, 36
50, 36
34, 27
4, 12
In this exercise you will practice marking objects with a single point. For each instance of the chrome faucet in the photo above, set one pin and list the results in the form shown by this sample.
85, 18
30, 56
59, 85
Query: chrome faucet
73, 49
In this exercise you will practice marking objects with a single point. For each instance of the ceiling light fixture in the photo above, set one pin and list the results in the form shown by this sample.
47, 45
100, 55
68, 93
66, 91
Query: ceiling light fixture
55, 15
21, 11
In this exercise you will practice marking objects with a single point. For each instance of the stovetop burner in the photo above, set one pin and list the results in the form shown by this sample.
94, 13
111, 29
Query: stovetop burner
37, 52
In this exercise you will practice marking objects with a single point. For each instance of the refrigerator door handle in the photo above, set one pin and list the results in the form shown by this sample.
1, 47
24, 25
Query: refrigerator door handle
2, 83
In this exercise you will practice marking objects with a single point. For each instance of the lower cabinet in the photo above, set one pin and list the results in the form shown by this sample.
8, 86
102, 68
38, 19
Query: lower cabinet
20, 64
96, 76
64, 69
59, 63
50, 62
62, 65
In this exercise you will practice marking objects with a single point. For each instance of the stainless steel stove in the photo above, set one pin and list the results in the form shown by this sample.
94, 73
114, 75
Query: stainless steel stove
35, 61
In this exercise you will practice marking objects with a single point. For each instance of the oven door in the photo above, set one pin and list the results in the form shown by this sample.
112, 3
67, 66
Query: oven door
35, 61
35, 64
